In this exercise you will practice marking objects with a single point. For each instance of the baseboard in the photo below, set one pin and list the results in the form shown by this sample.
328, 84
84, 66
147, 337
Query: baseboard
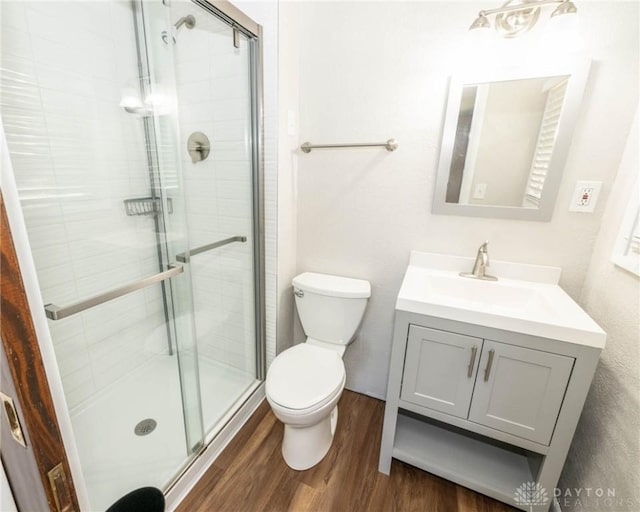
197, 469
367, 393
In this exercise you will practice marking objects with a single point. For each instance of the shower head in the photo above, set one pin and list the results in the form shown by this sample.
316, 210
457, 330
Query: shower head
188, 21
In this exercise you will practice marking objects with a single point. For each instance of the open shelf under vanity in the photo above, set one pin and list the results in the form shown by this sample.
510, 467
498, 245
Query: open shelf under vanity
483, 464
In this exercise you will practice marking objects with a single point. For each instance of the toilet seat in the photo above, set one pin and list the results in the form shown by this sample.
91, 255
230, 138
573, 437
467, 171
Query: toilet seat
304, 378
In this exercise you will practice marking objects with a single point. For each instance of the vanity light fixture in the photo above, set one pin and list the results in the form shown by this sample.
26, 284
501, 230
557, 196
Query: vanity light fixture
515, 18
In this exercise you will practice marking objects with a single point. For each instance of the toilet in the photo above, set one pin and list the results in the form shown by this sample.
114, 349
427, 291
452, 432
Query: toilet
304, 382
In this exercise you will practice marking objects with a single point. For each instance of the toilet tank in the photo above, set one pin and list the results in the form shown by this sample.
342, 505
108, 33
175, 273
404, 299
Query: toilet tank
330, 307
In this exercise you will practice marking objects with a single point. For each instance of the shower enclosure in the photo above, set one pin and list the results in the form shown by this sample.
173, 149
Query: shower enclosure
133, 130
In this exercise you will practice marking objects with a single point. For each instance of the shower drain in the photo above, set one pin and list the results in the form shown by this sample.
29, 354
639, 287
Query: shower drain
145, 427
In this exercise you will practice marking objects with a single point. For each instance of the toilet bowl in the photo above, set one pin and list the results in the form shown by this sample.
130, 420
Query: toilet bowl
305, 382
303, 389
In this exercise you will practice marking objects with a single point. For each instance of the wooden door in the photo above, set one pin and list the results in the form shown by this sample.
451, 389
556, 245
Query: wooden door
39, 472
440, 369
519, 390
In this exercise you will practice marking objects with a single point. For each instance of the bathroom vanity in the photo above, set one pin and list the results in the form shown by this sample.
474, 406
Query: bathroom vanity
487, 380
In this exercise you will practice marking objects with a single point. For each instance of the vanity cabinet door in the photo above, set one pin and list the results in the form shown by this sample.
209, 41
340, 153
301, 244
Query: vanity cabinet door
519, 390
439, 370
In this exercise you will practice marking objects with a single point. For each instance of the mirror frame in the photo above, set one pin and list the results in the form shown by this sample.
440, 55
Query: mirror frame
578, 70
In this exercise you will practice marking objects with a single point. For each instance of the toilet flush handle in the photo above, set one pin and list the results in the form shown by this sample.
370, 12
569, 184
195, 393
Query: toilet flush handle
298, 293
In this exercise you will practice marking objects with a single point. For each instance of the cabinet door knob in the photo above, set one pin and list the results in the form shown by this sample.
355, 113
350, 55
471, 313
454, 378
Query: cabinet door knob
474, 352
487, 370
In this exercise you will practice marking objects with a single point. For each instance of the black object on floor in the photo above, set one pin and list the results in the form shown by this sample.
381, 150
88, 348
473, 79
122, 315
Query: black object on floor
145, 499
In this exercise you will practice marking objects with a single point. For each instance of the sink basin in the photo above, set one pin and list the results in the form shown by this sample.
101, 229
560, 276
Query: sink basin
464, 290
525, 299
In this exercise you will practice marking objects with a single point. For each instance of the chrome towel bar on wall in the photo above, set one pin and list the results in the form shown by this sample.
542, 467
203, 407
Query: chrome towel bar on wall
390, 145
54, 312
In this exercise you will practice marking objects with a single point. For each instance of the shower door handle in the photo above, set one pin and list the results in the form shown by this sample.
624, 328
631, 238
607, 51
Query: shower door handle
184, 257
54, 312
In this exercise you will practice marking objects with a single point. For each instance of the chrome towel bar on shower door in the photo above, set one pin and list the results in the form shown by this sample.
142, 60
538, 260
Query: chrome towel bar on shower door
56, 312
390, 145
183, 257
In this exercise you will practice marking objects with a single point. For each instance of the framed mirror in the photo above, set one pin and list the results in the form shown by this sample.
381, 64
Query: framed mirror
505, 140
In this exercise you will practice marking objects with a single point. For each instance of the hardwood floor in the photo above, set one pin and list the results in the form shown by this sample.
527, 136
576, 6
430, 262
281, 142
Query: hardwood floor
251, 476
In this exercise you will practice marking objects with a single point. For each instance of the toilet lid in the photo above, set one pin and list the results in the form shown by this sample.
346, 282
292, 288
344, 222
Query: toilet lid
303, 376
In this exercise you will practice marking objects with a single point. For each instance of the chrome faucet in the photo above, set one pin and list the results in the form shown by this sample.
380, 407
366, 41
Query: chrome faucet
480, 265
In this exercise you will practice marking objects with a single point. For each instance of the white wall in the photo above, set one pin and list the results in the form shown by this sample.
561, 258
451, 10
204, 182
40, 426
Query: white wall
606, 448
76, 155
371, 71
288, 159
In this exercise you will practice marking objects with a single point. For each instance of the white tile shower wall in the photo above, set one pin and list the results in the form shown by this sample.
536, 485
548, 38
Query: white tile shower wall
76, 156
377, 70
213, 97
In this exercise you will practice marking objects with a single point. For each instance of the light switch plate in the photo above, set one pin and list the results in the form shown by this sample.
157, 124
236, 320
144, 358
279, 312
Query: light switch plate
480, 191
585, 196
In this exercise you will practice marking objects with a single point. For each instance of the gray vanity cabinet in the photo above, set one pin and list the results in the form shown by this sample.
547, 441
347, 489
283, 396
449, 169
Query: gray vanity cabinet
490, 409
440, 369
519, 390
509, 388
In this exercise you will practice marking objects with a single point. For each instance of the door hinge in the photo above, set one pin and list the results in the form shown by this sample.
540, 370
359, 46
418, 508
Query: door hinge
60, 487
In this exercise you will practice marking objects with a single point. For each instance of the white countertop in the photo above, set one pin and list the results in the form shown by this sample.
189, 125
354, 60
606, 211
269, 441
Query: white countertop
526, 298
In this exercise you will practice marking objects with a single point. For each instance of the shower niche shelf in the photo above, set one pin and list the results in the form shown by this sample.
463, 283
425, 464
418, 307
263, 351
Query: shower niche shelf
142, 206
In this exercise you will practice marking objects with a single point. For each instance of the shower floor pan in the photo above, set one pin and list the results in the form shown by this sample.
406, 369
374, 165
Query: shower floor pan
116, 460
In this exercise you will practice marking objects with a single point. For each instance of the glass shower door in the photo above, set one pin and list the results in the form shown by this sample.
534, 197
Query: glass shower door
216, 93
132, 129
90, 141
158, 95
